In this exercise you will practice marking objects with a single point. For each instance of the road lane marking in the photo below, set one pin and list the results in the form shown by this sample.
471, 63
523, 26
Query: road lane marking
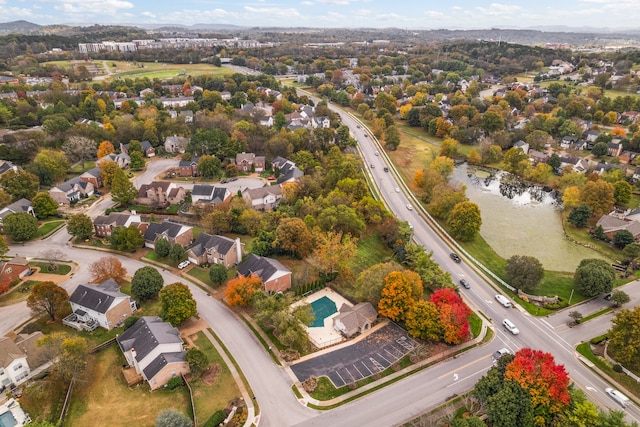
462, 367
546, 323
470, 376
455, 377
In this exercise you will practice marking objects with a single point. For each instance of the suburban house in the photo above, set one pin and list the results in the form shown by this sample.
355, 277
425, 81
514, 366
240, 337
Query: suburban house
244, 162
173, 232
22, 205
538, 156
14, 269
6, 166
122, 159
214, 249
321, 122
160, 193
522, 145
99, 305
147, 149
577, 164
289, 172
265, 198
274, 276
611, 225
206, 193
104, 224
569, 142
155, 349
94, 176
15, 355
176, 144
189, 167
355, 319
71, 191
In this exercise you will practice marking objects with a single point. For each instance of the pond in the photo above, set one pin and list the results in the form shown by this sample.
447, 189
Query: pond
521, 219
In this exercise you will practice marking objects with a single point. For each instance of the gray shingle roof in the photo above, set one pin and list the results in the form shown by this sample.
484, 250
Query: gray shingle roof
98, 298
155, 229
207, 241
146, 334
264, 267
163, 359
117, 218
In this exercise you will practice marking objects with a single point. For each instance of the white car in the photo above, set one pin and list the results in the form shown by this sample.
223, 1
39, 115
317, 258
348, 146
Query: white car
397, 190
409, 206
376, 153
617, 396
503, 301
508, 324
183, 264
498, 354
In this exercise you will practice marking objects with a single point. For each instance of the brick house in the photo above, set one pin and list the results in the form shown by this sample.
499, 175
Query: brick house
155, 349
244, 162
71, 191
104, 224
160, 193
214, 249
14, 269
189, 167
94, 176
274, 276
173, 232
103, 304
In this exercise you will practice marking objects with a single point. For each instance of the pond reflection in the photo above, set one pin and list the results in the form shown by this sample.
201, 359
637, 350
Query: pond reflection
521, 219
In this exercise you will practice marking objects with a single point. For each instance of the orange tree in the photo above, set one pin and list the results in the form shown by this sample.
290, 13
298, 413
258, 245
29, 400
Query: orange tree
399, 293
241, 290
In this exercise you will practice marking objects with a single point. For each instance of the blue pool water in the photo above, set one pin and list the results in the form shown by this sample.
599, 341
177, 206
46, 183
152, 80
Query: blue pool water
7, 420
322, 308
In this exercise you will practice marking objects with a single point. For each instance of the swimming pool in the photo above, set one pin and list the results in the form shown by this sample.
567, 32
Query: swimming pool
322, 308
7, 420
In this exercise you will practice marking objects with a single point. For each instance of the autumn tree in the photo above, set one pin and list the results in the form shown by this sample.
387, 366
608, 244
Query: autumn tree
108, 170
547, 382
146, 283
20, 184
177, 303
369, 283
598, 196
68, 353
127, 239
80, 226
333, 252
453, 315
292, 235
443, 165
49, 166
20, 226
449, 147
423, 321
47, 297
524, 272
209, 166
105, 148
108, 267
44, 205
624, 336
593, 277
400, 291
465, 221
122, 190
79, 149
240, 291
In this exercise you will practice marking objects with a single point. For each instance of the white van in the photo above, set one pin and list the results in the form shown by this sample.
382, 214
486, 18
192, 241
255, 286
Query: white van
617, 396
503, 301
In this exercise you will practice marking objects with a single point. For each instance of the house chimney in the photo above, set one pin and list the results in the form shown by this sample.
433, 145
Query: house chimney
238, 250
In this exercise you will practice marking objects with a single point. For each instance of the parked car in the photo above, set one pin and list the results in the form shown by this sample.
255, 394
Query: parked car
498, 354
183, 264
617, 396
608, 296
454, 256
508, 324
464, 283
504, 301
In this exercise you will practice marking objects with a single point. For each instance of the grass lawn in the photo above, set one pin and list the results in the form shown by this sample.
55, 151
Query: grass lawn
629, 383
104, 396
48, 227
44, 268
43, 398
19, 294
145, 308
212, 393
154, 257
77, 168
413, 154
201, 274
371, 250
475, 323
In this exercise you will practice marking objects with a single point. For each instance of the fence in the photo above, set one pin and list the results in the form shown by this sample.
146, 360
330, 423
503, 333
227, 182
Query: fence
193, 405
625, 370
102, 346
67, 400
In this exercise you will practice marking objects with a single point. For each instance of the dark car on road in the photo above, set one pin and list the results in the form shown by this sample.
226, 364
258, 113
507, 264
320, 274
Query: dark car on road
454, 257
464, 283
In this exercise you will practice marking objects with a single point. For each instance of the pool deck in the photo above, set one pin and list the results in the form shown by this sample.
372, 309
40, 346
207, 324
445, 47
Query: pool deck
326, 335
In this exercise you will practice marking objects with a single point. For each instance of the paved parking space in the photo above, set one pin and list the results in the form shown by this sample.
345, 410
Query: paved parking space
375, 353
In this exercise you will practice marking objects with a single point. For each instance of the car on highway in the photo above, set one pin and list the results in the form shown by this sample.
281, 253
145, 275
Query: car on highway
397, 190
376, 153
454, 256
183, 264
366, 136
373, 166
358, 126
465, 283
410, 225
386, 169
509, 326
504, 301
498, 354
409, 206
617, 396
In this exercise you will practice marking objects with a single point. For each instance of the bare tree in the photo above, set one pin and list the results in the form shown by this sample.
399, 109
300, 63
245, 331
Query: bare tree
52, 256
79, 149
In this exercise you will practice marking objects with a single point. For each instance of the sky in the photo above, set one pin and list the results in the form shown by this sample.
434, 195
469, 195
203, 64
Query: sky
406, 14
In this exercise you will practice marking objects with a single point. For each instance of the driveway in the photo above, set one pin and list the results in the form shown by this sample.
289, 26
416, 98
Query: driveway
375, 353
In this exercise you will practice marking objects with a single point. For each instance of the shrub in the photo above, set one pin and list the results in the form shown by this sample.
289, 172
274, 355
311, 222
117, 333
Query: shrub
598, 340
174, 383
617, 368
130, 321
310, 384
215, 419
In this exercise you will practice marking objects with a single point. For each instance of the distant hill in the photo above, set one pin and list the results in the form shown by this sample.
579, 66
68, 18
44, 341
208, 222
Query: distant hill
194, 27
19, 27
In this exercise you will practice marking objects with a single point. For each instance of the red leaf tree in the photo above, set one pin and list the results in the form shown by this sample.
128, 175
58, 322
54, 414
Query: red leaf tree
453, 315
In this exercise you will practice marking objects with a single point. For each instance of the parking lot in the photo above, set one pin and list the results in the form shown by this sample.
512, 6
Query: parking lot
373, 354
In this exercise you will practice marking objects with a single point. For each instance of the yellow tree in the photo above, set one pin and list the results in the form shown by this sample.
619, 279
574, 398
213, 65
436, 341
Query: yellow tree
107, 171
571, 197
400, 291
334, 252
293, 235
449, 147
105, 148
443, 165
599, 196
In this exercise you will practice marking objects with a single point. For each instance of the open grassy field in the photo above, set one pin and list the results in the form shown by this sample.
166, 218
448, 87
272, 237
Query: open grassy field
371, 250
104, 396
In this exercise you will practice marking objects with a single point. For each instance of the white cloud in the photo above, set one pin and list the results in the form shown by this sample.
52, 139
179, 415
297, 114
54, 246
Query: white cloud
306, 3
273, 12
149, 15
337, 2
